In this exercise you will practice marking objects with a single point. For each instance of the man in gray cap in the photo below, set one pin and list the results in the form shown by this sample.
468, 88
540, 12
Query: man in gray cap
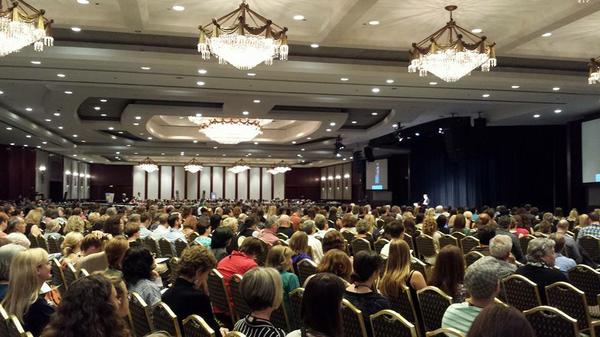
482, 284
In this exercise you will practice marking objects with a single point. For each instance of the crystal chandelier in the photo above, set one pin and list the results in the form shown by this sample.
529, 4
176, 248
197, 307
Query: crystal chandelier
21, 25
148, 165
193, 166
234, 41
231, 131
281, 167
239, 167
451, 52
594, 69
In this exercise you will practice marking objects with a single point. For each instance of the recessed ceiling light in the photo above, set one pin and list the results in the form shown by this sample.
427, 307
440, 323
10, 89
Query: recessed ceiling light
48, 120
536, 116
138, 117
61, 75
556, 89
44, 143
332, 124
354, 122
485, 95
76, 29
298, 17
389, 81
251, 74
202, 71
546, 34
178, 8
75, 136
97, 108
375, 90
113, 137
302, 149
103, 115
104, 100
195, 141
120, 132
374, 113
557, 111
145, 68
245, 113
328, 130
136, 124
198, 115
128, 145
60, 127
395, 125
117, 152
25, 145
200, 83
314, 45
515, 86
294, 142
83, 2
36, 62
256, 101
1, 92
215, 147
57, 114
12, 144
433, 83
374, 22
149, 138
255, 143
111, 128
29, 109
344, 79
68, 92
8, 128
476, 30
417, 134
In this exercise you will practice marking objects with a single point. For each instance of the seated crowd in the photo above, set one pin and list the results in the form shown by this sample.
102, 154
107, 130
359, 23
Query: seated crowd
362, 257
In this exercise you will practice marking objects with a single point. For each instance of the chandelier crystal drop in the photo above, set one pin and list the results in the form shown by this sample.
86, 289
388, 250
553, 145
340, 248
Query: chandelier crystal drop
22, 25
451, 52
594, 70
239, 167
148, 165
231, 131
193, 166
232, 40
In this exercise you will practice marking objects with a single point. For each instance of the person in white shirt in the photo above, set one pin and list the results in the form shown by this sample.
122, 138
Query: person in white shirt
322, 225
394, 231
315, 245
163, 227
176, 232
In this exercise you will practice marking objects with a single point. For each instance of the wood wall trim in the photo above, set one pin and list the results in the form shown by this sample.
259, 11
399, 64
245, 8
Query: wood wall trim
159, 174
172, 182
146, 185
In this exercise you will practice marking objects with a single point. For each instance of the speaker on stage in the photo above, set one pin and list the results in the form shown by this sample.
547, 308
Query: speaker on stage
369, 153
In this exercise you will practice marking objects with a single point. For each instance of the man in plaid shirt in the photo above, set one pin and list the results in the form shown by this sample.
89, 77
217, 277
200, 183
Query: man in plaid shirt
593, 229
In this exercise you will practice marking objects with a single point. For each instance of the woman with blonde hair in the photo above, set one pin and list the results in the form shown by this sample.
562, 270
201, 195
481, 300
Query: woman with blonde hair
28, 271
299, 244
280, 258
430, 228
74, 224
397, 272
71, 247
272, 211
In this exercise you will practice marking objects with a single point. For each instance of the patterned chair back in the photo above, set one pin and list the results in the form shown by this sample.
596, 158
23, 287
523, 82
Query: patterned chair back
165, 319
172, 264
404, 305
218, 295
166, 250
471, 257
387, 323
467, 243
53, 245
262, 258
180, 246
70, 274
410, 241
586, 279
152, 245
360, 244
550, 322
458, 235
296, 308
195, 326
194, 236
379, 244
524, 241
241, 307
521, 293
418, 265
448, 240
425, 245
4, 322
34, 242
353, 323
140, 315
280, 319
282, 236
306, 268
591, 246
83, 273
58, 278
349, 236
15, 329
433, 303
43, 243
571, 301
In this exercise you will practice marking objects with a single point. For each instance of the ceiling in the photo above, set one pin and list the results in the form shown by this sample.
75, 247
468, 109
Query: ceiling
92, 111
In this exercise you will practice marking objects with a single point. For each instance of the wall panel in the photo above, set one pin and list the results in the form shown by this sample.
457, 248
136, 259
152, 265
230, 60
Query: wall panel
242, 185
279, 188
179, 182
255, 183
192, 185
266, 185
165, 181
217, 180
139, 182
153, 185
229, 185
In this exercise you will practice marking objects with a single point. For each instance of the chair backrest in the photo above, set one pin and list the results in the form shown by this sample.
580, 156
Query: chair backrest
348, 235
58, 278
458, 235
70, 274
425, 245
418, 265
353, 323
591, 246
195, 326
15, 329
410, 241
241, 307
388, 323
43, 243
180, 246
448, 240
194, 236
379, 244
433, 303
166, 250
234, 334
471, 257
262, 257
296, 308
152, 245
467, 243
569, 300
164, 319
360, 244
83, 273
33, 241
3, 322
550, 322
140, 316
404, 305
53, 245
586, 279
218, 295
306, 268
524, 241
280, 319
448, 332
282, 236
521, 292
172, 264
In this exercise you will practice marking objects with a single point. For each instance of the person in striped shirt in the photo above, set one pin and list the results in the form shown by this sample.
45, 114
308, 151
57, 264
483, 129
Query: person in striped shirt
481, 281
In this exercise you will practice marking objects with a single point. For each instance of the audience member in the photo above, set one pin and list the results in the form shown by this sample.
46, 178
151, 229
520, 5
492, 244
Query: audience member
500, 321
571, 247
561, 262
338, 263
393, 231
115, 252
7, 253
333, 240
316, 247
221, 238
299, 245
448, 273
139, 275
280, 258
500, 257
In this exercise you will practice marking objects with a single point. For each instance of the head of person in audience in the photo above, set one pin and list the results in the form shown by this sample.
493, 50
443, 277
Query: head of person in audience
482, 283
29, 269
89, 308
195, 264
92, 243
7, 253
299, 243
115, 252
429, 226
500, 247
562, 226
333, 240
497, 320
16, 224
394, 230
321, 305
541, 251
559, 242
321, 222
19, 239
75, 224
71, 243
53, 226
594, 217
174, 220
308, 227
3, 222
231, 223
485, 234
262, 289
221, 237
397, 269
365, 268
252, 247
132, 231
138, 264
113, 225
336, 262
122, 294
280, 258
449, 270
